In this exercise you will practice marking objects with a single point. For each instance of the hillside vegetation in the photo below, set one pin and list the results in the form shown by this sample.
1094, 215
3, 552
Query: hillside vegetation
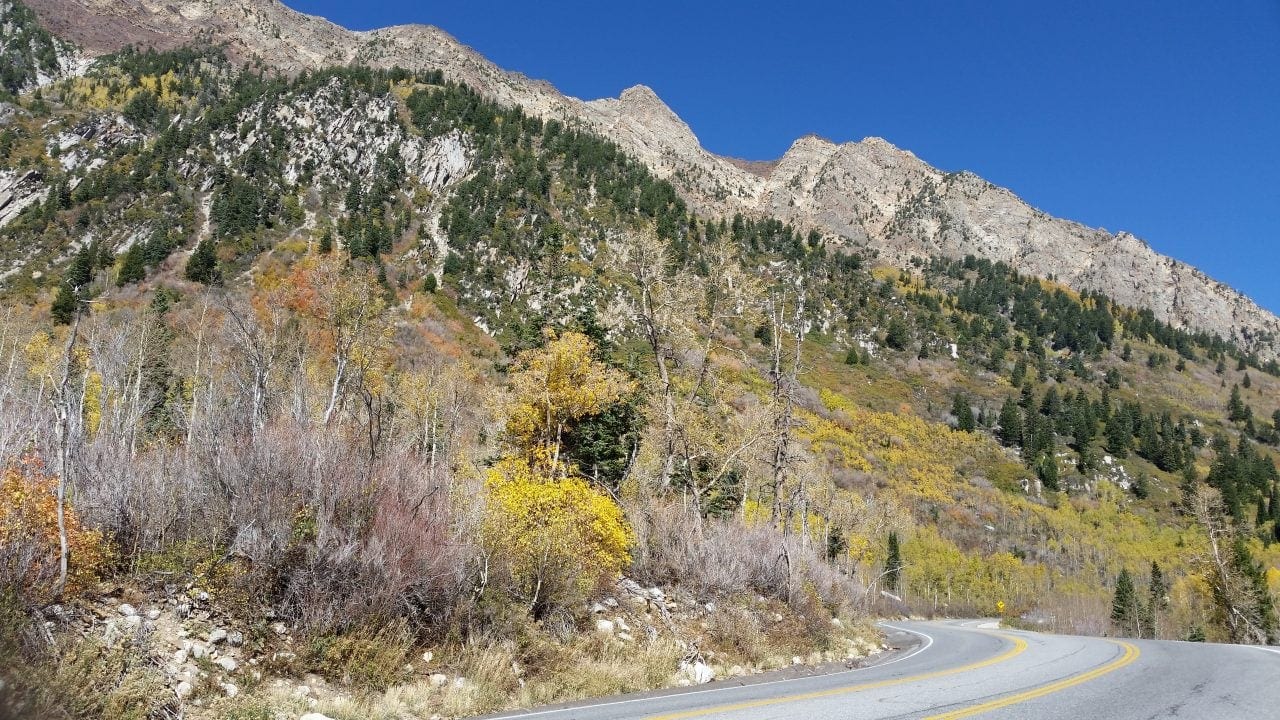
366, 355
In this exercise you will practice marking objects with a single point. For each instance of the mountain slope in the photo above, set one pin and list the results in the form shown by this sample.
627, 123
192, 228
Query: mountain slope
869, 191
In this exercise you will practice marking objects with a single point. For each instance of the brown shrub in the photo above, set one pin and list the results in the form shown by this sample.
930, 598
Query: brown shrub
730, 556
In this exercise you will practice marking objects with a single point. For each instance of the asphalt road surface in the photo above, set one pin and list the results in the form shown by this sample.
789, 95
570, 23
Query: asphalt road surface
950, 670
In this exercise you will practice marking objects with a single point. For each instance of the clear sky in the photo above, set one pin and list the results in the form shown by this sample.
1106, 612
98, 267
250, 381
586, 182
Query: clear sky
1159, 118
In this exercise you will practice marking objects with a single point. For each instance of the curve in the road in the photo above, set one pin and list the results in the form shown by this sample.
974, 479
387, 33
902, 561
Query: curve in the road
1129, 655
1018, 647
963, 669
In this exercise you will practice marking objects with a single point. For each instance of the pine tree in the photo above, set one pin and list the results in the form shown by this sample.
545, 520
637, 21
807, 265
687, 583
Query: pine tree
1118, 434
132, 267
1247, 382
1126, 607
1141, 486
1263, 613
897, 335
326, 242
963, 412
1047, 471
1188, 487
202, 267
893, 564
80, 273
64, 304
1157, 601
1010, 424
1019, 372
1235, 406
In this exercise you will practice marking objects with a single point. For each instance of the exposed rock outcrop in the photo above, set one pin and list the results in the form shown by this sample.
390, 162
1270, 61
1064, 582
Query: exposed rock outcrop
868, 192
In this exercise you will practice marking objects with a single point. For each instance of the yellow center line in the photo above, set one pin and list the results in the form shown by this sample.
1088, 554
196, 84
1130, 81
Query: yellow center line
1130, 654
1019, 645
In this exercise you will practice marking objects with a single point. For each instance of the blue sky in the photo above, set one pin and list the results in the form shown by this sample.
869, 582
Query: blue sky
1160, 118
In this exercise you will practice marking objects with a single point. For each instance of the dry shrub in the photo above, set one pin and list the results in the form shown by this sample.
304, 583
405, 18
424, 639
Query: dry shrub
739, 632
301, 520
730, 556
43, 676
367, 658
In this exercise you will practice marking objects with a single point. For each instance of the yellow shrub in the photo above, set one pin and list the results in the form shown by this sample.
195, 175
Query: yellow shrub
554, 535
29, 515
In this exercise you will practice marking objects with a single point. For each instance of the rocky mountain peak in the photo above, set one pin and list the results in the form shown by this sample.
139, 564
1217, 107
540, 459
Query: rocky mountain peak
642, 115
869, 191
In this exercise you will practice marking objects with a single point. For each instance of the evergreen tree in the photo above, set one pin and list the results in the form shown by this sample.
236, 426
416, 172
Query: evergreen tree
1019, 372
893, 564
64, 304
1126, 607
1157, 601
202, 267
1263, 611
326, 242
1159, 588
1010, 424
132, 267
1047, 471
1118, 434
1235, 406
963, 412
80, 272
1247, 382
1141, 486
897, 336
1188, 487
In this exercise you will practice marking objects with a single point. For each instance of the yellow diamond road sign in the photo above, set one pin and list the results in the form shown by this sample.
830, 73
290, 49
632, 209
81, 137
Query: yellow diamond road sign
1000, 607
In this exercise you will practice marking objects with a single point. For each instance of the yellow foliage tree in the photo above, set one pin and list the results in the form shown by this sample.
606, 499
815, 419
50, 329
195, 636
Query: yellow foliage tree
29, 542
555, 385
555, 538
346, 321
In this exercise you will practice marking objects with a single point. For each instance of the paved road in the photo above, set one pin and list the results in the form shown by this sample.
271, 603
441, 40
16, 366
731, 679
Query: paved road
951, 670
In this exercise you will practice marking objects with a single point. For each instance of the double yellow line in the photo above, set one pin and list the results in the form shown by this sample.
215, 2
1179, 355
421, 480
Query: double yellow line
1019, 646
1130, 654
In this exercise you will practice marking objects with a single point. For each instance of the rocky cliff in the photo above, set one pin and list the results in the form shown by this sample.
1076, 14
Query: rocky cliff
869, 192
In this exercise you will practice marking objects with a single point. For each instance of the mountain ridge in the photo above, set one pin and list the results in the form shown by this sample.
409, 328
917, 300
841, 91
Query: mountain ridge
870, 192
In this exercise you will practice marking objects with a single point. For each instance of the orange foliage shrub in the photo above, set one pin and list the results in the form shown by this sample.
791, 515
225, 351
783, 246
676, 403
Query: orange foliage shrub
29, 538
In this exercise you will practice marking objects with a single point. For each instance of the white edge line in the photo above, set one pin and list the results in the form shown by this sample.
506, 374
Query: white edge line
1263, 649
928, 641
